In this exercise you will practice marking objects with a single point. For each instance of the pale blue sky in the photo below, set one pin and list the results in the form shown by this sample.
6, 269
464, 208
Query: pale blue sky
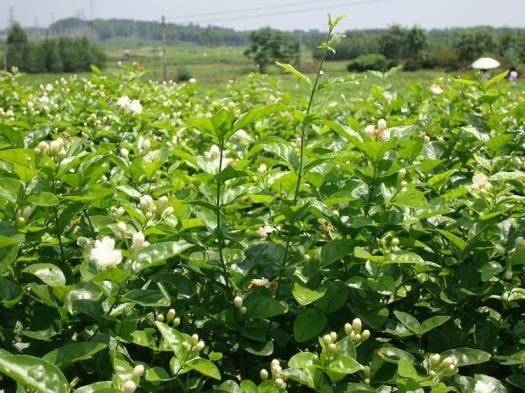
284, 14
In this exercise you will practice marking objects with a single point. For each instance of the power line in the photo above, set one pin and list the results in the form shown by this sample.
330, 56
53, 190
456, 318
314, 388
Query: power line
303, 10
236, 11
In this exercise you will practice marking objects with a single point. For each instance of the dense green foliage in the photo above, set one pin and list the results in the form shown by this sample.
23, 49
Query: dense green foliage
269, 46
51, 55
449, 49
370, 62
155, 237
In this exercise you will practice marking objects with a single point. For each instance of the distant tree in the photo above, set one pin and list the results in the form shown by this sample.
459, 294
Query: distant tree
472, 44
393, 43
53, 59
36, 58
416, 42
268, 46
17, 47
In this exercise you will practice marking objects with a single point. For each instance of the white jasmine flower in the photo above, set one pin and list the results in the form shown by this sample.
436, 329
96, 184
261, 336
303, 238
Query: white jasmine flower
484, 387
262, 168
481, 183
436, 89
265, 231
124, 152
134, 107
242, 136
123, 102
104, 253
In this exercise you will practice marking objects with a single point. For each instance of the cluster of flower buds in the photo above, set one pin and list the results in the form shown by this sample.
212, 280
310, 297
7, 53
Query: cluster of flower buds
353, 330
194, 345
330, 341
130, 386
238, 303
277, 374
442, 366
480, 184
170, 317
54, 148
379, 131
22, 216
149, 207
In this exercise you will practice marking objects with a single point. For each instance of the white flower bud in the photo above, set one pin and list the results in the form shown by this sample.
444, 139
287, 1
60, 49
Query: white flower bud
186, 346
138, 240
262, 168
149, 215
499, 249
348, 328
275, 362
82, 241
146, 144
448, 361
124, 152
43, 146
365, 335
176, 322
37, 151
237, 301
381, 124
306, 258
263, 374
194, 339
21, 221
432, 374
395, 242
199, 346
122, 227
370, 129
163, 201
120, 211
435, 359
243, 310
169, 211
55, 146
129, 387
160, 317
332, 347
334, 336
138, 371
357, 325
402, 173
404, 184
170, 315
327, 339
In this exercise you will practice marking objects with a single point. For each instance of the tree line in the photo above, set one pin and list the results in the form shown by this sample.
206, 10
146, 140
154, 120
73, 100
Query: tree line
445, 48
61, 54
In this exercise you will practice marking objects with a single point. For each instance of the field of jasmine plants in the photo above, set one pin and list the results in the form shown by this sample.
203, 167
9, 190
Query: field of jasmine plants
160, 237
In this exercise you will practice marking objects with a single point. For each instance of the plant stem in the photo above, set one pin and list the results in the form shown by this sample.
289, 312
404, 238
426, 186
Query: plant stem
218, 227
301, 156
59, 235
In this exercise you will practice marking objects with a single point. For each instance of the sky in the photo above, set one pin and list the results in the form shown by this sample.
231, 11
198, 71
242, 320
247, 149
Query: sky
283, 14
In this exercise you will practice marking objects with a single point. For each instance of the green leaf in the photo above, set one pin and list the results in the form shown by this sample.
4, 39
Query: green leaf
455, 240
411, 198
158, 374
409, 321
156, 254
292, 70
205, 367
50, 274
468, 356
10, 188
147, 298
431, 323
264, 307
34, 372
308, 324
71, 353
305, 296
43, 199
335, 250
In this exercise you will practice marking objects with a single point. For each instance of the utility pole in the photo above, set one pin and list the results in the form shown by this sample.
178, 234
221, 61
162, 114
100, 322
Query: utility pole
11, 15
164, 61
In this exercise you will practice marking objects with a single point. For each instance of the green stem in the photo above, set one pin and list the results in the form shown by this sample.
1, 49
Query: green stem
218, 227
301, 156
